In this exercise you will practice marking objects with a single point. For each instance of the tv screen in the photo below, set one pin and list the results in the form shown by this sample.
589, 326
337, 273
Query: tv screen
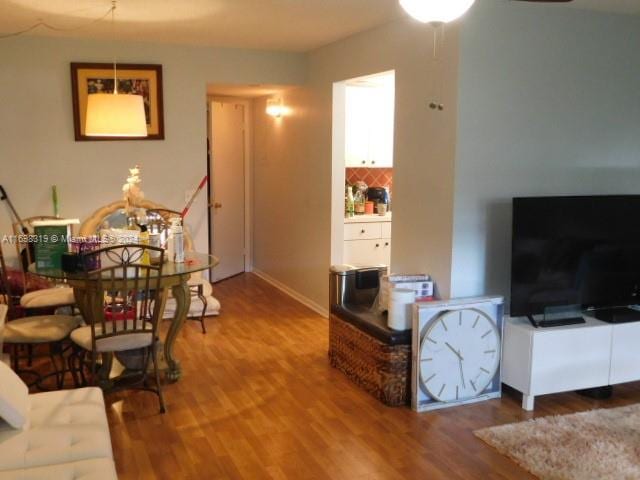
575, 251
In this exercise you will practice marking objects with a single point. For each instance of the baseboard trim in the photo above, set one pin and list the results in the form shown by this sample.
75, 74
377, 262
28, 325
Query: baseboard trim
307, 302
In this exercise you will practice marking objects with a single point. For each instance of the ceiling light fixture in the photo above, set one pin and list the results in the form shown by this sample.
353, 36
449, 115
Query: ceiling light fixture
436, 11
115, 114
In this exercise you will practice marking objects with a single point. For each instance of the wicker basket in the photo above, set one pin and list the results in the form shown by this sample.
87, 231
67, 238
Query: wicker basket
382, 370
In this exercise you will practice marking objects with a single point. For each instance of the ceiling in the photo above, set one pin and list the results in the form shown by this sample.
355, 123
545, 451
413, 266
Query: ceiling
614, 6
290, 25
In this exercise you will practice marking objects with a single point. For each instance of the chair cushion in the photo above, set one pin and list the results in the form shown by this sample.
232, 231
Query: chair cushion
66, 429
14, 398
195, 309
126, 341
40, 328
48, 297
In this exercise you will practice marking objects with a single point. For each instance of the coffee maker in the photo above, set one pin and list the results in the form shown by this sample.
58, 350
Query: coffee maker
379, 195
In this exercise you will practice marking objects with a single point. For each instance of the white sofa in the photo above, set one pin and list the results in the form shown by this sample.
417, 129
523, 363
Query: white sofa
60, 435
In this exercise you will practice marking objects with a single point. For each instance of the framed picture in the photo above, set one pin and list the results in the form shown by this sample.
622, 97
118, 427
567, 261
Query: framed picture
145, 80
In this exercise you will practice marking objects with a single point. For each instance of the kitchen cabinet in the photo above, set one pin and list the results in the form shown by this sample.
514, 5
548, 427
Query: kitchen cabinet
367, 243
367, 252
363, 231
369, 126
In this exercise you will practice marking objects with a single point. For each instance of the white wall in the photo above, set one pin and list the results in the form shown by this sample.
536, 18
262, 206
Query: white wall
549, 104
37, 147
294, 160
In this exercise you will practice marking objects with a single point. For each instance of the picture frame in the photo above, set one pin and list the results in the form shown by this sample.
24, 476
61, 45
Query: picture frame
144, 79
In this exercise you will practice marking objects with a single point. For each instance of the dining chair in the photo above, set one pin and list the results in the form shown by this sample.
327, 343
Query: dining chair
123, 308
43, 298
50, 331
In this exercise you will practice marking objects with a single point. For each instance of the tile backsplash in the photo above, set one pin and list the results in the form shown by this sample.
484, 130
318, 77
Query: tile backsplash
373, 177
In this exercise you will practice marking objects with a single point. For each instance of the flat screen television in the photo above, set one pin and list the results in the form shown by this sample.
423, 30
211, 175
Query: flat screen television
581, 251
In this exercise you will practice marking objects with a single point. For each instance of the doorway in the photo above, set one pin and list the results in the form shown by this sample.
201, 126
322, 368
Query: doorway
362, 170
229, 214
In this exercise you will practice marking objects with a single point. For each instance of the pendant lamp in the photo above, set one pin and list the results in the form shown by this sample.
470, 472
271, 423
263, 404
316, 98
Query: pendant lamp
115, 114
436, 11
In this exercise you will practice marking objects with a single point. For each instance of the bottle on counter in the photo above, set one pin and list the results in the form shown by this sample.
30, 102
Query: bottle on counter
359, 201
178, 240
349, 208
132, 223
133, 235
144, 240
154, 241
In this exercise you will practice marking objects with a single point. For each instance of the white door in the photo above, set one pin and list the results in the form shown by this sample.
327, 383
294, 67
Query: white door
227, 188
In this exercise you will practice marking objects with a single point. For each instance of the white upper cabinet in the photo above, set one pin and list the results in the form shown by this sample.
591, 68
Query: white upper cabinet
358, 111
369, 123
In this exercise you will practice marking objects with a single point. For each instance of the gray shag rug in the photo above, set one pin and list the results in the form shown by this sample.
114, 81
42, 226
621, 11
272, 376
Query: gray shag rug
600, 444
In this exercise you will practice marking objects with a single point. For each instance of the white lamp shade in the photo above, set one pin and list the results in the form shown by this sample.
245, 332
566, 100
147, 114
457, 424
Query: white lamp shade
436, 11
115, 115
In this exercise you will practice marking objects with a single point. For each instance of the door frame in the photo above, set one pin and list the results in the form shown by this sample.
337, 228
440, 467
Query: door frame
338, 159
338, 171
248, 174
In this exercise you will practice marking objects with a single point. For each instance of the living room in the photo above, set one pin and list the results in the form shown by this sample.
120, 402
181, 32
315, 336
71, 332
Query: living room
537, 100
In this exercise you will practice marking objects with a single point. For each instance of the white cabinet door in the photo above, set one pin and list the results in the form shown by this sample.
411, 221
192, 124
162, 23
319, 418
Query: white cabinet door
625, 353
369, 125
570, 359
357, 110
385, 251
381, 135
363, 252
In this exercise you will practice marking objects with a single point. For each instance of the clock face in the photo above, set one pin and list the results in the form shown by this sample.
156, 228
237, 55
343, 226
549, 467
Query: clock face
460, 354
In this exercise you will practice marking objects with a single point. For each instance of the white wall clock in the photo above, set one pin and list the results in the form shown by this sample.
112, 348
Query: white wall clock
456, 352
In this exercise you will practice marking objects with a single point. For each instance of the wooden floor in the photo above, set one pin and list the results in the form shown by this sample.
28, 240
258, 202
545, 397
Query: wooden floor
258, 399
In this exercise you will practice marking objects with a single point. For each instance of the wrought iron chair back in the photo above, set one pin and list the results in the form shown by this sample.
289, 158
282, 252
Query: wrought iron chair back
7, 296
123, 300
123, 293
5, 290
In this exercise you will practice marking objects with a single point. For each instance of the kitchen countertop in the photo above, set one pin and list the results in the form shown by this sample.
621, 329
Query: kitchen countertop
369, 218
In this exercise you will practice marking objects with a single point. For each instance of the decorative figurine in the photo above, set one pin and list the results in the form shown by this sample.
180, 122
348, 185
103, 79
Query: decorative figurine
133, 195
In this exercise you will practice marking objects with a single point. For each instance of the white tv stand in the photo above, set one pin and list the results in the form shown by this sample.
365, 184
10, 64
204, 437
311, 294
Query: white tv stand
538, 361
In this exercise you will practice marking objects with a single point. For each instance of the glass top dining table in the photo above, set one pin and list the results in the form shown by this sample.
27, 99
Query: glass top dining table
174, 276
194, 262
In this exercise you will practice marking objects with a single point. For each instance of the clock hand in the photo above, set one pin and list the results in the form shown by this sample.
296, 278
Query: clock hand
454, 350
461, 373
